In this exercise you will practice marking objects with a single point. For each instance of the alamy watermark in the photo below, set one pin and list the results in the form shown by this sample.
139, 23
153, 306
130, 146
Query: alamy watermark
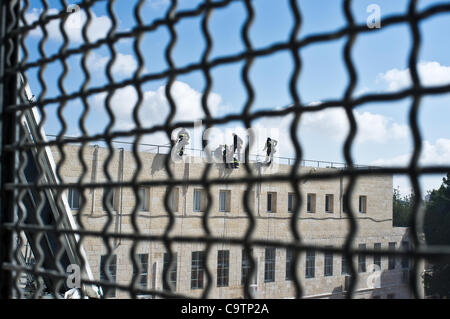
74, 20
374, 279
374, 19
74, 276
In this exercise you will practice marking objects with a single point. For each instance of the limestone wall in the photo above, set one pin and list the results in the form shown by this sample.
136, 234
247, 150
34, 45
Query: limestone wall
317, 228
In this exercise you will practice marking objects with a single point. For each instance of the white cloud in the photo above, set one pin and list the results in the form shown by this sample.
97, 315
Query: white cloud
155, 108
98, 28
332, 124
374, 128
124, 64
436, 154
154, 111
432, 154
430, 73
378, 128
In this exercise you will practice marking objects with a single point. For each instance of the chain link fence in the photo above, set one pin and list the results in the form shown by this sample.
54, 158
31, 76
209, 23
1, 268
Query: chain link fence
29, 183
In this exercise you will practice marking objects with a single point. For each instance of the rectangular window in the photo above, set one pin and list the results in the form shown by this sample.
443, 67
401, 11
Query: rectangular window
269, 265
362, 259
290, 202
289, 265
405, 259
245, 269
329, 203
144, 195
109, 197
74, 198
197, 200
174, 198
362, 204
223, 267
197, 269
377, 259
224, 201
391, 259
271, 202
310, 264
344, 266
328, 264
143, 275
311, 203
172, 280
111, 269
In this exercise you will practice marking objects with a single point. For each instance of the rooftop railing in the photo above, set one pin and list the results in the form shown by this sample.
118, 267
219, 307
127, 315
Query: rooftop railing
195, 152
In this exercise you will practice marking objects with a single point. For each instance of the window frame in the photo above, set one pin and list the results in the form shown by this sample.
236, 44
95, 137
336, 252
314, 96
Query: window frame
173, 271
362, 264
310, 203
362, 208
329, 204
344, 266
200, 199
226, 201
270, 254
289, 264
377, 258
273, 202
246, 267
197, 269
143, 276
392, 261
310, 264
70, 198
328, 264
174, 199
144, 199
291, 198
223, 268
112, 268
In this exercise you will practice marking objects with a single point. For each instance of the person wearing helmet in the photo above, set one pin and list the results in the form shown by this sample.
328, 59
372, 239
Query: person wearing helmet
183, 140
224, 155
235, 162
237, 145
270, 148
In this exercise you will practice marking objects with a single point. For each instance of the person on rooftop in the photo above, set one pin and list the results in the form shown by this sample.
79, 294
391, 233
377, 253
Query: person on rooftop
237, 146
225, 155
270, 149
183, 140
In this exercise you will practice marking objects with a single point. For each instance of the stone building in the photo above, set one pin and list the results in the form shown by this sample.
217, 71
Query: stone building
322, 221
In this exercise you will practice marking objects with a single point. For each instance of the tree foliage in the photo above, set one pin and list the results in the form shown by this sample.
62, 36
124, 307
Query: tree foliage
402, 209
437, 232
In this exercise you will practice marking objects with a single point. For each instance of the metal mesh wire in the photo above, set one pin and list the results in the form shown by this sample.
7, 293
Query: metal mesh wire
15, 146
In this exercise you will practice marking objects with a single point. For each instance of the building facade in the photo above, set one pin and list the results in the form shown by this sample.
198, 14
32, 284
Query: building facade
322, 221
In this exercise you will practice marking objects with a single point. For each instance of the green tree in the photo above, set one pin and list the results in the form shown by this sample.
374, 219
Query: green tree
437, 232
402, 209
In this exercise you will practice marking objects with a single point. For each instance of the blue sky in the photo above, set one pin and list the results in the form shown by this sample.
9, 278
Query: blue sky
380, 57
